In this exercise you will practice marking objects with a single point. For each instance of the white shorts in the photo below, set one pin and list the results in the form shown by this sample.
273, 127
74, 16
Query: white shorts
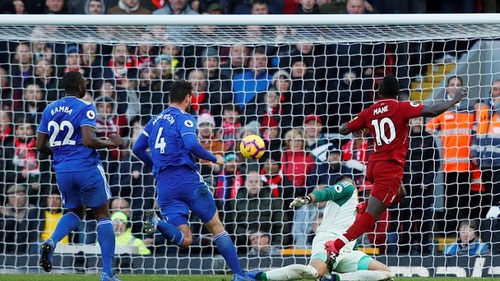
348, 259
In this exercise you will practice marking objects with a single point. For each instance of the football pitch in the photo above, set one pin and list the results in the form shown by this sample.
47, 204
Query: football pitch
140, 277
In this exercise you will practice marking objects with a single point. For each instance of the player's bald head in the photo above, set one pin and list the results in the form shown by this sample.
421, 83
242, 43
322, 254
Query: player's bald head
389, 87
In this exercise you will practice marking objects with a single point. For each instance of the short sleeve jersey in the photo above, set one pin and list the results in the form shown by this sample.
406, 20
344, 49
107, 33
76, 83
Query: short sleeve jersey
62, 120
165, 141
387, 121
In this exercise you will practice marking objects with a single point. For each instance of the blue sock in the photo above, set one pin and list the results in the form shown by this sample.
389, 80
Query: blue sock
170, 232
66, 224
226, 247
106, 238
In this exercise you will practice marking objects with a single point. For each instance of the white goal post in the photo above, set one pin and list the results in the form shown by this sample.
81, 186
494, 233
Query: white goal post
329, 67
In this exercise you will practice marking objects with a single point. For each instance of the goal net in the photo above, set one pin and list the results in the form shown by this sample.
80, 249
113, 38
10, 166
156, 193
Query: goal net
291, 80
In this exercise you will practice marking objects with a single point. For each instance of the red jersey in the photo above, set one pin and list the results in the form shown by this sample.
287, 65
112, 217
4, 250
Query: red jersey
387, 121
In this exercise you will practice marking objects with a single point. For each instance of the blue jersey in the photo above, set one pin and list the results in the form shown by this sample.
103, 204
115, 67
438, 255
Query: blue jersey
62, 121
165, 141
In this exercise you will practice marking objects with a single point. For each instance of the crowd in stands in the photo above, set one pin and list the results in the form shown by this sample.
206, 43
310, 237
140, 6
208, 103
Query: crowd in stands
294, 96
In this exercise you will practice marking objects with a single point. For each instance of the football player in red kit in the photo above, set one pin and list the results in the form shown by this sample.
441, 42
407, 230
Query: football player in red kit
387, 121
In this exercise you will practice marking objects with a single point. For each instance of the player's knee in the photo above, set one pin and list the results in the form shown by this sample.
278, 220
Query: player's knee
79, 212
188, 240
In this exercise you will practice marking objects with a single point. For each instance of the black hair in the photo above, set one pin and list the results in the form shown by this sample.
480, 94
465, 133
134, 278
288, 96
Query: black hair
389, 87
179, 90
259, 2
342, 178
72, 80
454, 77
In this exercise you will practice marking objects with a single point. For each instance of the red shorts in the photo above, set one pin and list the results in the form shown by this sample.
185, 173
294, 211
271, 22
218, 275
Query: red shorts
386, 178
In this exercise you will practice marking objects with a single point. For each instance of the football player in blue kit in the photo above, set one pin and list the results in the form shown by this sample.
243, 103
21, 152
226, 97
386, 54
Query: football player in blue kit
67, 133
172, 139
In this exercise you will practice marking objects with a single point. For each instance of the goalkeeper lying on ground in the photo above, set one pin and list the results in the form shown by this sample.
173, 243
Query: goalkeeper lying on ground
339, 214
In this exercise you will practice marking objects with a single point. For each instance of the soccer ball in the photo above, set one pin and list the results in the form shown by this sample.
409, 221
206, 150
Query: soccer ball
252, 147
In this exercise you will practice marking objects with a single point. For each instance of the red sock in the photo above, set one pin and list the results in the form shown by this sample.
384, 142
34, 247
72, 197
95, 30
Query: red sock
363, 223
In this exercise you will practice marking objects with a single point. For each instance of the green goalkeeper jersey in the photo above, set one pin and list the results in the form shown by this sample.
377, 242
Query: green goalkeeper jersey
340, 210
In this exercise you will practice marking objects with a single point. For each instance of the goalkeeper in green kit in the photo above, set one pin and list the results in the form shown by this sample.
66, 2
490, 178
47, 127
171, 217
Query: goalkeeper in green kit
339, 214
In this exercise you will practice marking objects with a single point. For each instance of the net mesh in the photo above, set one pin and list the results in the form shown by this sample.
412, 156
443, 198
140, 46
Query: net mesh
280, 82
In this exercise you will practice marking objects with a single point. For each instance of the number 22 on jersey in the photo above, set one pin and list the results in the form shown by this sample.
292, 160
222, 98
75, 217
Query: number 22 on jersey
66, 127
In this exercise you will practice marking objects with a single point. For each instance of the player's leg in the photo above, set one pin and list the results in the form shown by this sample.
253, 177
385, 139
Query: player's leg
175, 228
68, 222
387, 176
96, 195
357, 266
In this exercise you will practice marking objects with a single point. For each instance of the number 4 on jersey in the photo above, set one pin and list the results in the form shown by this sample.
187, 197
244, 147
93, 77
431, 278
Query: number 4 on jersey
160, 141
380, 133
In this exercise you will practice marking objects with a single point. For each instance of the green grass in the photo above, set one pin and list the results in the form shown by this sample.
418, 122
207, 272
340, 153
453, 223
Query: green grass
139, 277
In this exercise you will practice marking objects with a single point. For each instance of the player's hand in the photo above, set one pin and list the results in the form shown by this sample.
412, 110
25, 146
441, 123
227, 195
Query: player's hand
300, 201
220, 159
115, 139
460, 93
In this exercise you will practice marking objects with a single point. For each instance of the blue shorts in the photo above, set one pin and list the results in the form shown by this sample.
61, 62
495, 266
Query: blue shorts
84, 188
182, 190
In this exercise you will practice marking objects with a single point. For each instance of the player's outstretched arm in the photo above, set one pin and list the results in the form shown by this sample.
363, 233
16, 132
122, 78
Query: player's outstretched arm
42, 143
140, 150
437, 109
344, 130
90, 140
192, 144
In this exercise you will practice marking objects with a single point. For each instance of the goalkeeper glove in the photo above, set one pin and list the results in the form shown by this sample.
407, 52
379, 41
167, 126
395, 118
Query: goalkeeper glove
300, 201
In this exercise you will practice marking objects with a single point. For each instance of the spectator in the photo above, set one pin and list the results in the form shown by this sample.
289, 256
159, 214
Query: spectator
305, 96
315, 139
356, 7
166, 71
308, 7
127, 96
109, 122
218, 85
124, 236
237, 61
355, 154
296, 163
231, 126
129, 7
229, 181
215, 9
144, 52
468, 243
269, 109
55, 7
119, 64
200, 98
94, 7
44, 221
176, 7
248, 6
256, 209
46, 80
260, 244
14, 221
32, 104
6, 90
486, 144
256, 79
152, 99
422, 164
260, 7
25, 156
20, 7
41, 49
456, 127
21, 70
73, 61
212, 143
326, 173
7, 168
91, 62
